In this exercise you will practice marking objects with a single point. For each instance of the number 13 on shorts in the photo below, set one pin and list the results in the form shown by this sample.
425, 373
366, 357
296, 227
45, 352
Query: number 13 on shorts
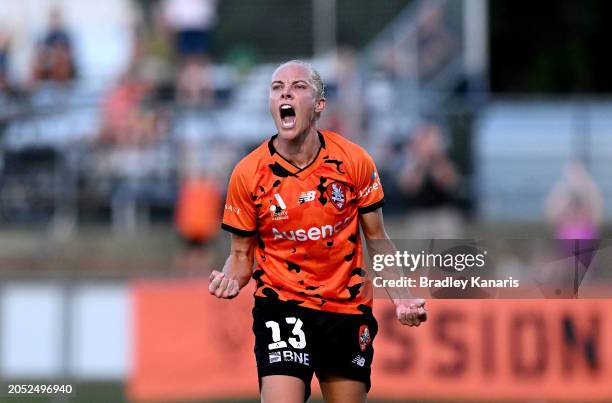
277, 342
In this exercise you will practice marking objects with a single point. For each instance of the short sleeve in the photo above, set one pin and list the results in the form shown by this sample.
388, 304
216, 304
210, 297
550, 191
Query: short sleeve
370, 195
239, 213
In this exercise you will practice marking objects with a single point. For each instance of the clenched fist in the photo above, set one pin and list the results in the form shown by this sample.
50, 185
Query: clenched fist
221, 286
410, 312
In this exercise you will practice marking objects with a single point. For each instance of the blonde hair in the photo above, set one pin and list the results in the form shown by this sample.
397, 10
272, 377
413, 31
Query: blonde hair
314, 76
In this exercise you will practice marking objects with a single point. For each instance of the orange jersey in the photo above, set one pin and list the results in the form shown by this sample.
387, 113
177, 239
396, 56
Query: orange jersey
306, 220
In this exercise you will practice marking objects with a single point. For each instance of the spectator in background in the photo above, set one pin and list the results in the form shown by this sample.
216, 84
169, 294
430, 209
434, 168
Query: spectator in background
5, 43
198, 210
54, 58
198, 207
191, 23
131, 118
423, 52
194, 85
435, 42
124, 122
574, 206
348, 113
429, 183
574, 209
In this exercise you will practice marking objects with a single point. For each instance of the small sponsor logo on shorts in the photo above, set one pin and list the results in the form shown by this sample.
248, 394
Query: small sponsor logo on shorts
288, 356
275, 357
364, 337
359, 360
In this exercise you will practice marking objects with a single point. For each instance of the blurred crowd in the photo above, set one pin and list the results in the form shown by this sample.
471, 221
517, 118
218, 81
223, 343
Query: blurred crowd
430, 45
171, 77
53, 58
169, 68
144, 152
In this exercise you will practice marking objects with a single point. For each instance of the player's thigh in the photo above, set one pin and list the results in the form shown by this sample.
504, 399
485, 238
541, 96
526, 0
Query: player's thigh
281, 389
337, 389
283, 341
345, 352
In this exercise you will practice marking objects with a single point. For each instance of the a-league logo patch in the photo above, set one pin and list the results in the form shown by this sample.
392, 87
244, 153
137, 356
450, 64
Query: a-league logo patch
364, 337
336, 192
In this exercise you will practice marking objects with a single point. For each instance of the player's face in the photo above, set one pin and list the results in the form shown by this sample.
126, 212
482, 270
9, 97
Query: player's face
294, 101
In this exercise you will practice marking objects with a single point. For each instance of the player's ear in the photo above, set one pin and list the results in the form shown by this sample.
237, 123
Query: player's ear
320, 105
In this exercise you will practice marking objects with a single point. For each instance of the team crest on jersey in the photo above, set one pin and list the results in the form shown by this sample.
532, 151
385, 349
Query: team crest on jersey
336, 192
364, 337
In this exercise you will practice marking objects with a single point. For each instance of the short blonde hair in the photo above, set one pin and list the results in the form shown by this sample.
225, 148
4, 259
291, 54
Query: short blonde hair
314, 76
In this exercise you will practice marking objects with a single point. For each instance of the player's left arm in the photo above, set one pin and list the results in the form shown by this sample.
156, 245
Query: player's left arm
409, 310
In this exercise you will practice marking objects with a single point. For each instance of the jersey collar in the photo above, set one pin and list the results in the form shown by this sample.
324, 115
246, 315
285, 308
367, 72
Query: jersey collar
288, 169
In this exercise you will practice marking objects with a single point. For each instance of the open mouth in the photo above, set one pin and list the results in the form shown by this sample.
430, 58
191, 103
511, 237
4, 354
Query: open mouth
287, 115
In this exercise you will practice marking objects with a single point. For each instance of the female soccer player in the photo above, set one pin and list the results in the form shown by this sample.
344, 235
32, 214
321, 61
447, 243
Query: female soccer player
295, 204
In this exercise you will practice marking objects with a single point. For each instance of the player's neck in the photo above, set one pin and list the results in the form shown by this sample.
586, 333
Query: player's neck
300, 151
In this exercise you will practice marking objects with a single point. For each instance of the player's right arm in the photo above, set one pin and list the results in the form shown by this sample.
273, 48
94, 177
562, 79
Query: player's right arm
237, 270
239, 218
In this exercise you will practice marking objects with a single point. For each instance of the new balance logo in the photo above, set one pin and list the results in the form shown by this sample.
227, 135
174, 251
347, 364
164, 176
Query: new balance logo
359, 360
307, 196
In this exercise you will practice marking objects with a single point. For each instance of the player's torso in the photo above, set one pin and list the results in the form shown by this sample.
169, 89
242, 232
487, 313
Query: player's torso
308, 234
306, 215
